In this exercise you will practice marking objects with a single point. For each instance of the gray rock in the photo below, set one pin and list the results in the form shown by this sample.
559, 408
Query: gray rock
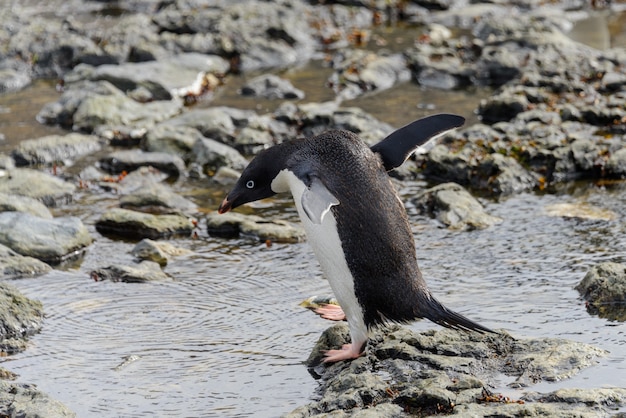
270, 86
156, 198
164, 78
226, 176
55, 149
267, 35
6, 162
157, 251
13, 80
50, 240
17, 203
439, 371
455, 207
16, 266
604, 289
213, 155
502, 107
501, 174
24, 400
616, 165
130, 160
218, 123
145, 271
362, 72
230, 225
20, 317
315, 118
137, 225
176, 140
86, 105
118, 109
50, 190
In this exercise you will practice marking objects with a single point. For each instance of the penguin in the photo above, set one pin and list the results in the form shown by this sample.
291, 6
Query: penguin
355, 222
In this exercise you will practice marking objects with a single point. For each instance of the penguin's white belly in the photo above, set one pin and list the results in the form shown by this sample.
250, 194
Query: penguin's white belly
325, 241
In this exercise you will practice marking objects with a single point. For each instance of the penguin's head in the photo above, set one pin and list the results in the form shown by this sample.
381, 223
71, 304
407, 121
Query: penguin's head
255, 182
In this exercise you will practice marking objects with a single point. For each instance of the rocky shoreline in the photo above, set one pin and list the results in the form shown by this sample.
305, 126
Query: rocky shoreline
136, 104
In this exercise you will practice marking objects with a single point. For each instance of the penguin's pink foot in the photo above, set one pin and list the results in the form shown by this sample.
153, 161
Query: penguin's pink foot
331, 312
347, 352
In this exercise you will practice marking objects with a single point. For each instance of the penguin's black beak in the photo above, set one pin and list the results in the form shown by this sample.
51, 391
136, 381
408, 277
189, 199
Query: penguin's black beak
225, 206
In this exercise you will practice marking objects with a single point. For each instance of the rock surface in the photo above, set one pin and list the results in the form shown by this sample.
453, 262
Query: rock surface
455, 207
405, 373
50, 240
15, 266
157, 251
604, 289
138, 225
50, 190
20, 318
24, 400
233, 224
145, 271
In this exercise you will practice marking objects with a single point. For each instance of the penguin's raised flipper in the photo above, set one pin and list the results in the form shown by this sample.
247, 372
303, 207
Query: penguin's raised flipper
400, 144
317, 201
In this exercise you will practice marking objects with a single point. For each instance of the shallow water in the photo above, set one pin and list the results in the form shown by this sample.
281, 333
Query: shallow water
227, 338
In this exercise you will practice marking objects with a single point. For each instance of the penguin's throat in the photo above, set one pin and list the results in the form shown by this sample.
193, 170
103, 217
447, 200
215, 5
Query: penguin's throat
284, 181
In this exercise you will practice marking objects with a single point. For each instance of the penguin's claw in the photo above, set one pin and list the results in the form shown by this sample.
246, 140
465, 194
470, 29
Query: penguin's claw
347, 352
331, 312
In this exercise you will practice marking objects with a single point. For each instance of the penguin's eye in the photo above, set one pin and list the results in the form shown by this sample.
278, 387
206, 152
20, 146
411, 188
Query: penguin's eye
250, 184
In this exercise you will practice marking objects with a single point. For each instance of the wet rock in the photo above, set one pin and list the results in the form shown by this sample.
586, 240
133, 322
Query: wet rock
145, 271
157, 251
230, 225
315, 118
604, 289
130, 160
433, 371
16, 266
50, 190
262, 132
87, 105
455, 207
175, 140
6, 162
266, 35
55, 149
270, 86
24, 400
20, 317
163, 79
359, 72
495, 173
226, 176
137, 225
216, 122
17, 203
13, 80
212, 155
156, 198
616, 165
502, 107
50, 240
501, 174
580, 210
125, 184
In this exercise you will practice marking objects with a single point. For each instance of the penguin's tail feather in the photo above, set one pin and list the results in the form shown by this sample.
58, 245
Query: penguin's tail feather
435, 311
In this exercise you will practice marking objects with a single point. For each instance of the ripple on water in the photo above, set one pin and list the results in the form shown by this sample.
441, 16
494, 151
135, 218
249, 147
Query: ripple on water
200, 343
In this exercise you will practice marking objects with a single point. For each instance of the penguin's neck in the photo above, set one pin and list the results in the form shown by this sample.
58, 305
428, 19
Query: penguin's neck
326, 244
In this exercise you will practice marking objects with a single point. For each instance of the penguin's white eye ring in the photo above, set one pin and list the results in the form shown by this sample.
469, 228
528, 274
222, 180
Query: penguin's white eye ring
250, 184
